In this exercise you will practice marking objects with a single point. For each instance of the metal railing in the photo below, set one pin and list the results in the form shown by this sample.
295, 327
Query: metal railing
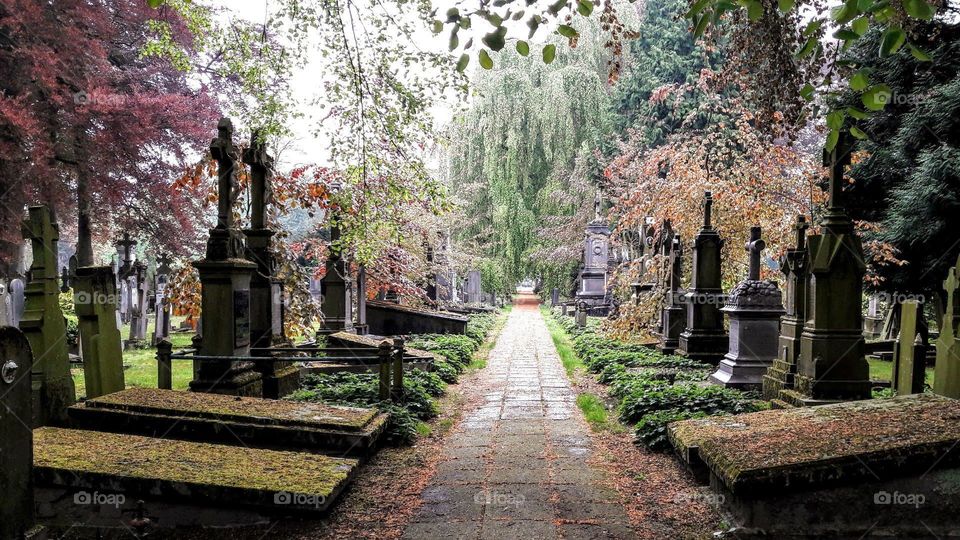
389, 357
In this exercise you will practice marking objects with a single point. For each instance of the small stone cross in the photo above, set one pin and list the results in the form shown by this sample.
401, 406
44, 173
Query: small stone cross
260, 163
800, 229
950, 285
754, 247
224, 153
707, 208
42, 230
837, 160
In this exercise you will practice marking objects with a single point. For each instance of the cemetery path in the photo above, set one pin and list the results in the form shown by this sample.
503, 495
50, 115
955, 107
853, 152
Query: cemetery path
516, 466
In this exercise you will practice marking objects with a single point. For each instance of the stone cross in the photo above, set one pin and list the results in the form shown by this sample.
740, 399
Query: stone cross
837, 160
64, 279
676, 262
754, 247
596, 206
163, 264
707, 208
224, 153
800, 229
127, 246
261, 163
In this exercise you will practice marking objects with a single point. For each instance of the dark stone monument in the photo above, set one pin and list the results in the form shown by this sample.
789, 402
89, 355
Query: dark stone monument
832, 366
225, 289
554, 297
43, 324
362, 328
390, 319
592, 277
266, 293
474, 287
946, 380
754, 307
704, 338
337, 303
126, 276
16, 437
873, 322
674, 313
781, 374
139, 293
161, 327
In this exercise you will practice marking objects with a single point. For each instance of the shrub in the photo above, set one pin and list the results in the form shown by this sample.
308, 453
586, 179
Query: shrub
686, 397
445, 370
458, 349
479, 326
652, 428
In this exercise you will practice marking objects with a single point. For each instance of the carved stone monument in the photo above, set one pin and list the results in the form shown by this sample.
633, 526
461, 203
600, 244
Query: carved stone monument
43, 324
832, 366
592, 278
139, 294
95, 298
225, 289
704, 338
337, 304
161, 327
946, 379
754, 307
362, 328
793, 264
266, 293
674, 313
474, 287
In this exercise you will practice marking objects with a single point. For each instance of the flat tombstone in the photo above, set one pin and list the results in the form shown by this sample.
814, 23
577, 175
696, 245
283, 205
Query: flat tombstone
16, 437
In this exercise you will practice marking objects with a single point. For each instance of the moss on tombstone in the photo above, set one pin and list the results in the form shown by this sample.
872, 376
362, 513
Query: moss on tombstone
180, 462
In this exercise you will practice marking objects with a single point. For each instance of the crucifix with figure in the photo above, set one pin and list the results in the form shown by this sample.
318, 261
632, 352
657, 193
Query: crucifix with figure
754, 247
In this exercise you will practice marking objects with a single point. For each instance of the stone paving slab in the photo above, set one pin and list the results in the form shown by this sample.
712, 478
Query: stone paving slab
516, 466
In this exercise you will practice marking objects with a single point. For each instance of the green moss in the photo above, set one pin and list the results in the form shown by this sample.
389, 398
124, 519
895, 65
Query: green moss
176, 461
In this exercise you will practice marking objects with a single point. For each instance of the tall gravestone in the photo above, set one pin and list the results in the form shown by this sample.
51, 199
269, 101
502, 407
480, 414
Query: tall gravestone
592, 278
17, 300
431, 285
337, 303
362, 328
139, 294
909, 352
754, 307
832, 366
266, 294
126, 275
95, 298
225, 289
674, 312
16, 437
554, 297
873, 322
946, 379
474, 288
793, 264
161, 326
6, 304
43, 324
704, 338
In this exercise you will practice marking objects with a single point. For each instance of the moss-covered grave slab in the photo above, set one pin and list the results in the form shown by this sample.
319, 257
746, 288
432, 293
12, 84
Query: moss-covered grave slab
362, 346
792, 449
202, 473
232, 419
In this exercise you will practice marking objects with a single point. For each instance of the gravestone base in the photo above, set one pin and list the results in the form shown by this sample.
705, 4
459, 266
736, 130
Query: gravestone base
279, 379
239, 379
703, 345
96, 304
782, 373
754, 308
673, 320
845, 376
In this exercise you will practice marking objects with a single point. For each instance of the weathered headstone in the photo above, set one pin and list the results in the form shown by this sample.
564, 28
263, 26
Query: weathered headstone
17, 300
161, 326
909, 352
362, 327
473, 287
16, 435
6, 305
873, 322
126, 274
592, 278
139, 292
754, 308
43, 323
946, 380
554, 297
431, 285
95, 298
674, 313
581, 314
794, 266
337, 301
225, 289
704, 338
832, 366
266, 293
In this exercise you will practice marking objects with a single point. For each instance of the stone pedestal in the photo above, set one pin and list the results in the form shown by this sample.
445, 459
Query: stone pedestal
43, 325
592, 278
225, 299
754, 308
337, 303
704, 338
95, 297
673, 318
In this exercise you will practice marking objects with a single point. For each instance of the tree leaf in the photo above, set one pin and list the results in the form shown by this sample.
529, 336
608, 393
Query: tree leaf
533, 23
549, 53
485, 61
835, 120
495, 20
864, 5
858, 133
786, 5
918, 53
861, 25
857, 113
463, 62
585, 7
566, 31
497, 39
812, 28
696, 8
754, 10
893, 39
807, 92
701, 25
555, 7
876, 97
832, 138
465, 23
155, 3
807, 48
454, 41
918, 9
846, 34
523, 48
453, 15
859, 81
437, 26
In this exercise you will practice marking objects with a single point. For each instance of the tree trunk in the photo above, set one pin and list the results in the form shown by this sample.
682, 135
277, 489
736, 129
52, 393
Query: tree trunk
84, 235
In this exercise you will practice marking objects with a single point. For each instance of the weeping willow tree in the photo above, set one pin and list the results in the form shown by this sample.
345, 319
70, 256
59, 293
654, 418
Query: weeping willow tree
522, 158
